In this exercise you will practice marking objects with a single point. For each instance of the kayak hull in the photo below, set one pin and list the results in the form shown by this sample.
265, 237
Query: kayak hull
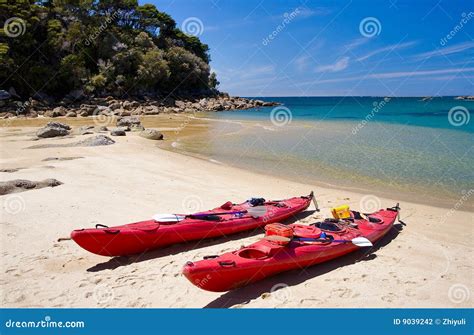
267, 258
147, 235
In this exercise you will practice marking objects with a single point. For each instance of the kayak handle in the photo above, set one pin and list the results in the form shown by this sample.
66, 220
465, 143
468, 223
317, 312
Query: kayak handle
99, 225
210, 257
227, 264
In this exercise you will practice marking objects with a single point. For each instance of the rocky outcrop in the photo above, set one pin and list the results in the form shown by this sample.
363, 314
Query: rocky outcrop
465, 97
41, 105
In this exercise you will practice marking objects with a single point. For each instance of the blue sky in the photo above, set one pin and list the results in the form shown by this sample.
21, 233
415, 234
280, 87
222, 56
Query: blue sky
318, 48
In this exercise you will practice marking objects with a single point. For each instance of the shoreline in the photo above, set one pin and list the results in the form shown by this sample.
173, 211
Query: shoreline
133, 179
177, 126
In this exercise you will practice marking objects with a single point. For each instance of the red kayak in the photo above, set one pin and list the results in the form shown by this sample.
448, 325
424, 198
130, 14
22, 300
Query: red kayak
151, 234
288, 247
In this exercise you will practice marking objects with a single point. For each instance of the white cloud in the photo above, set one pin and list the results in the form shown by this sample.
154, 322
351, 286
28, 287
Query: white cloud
356, 43
340, 65
418, 73
257, 71
446, 51
389, 48
390, 75
302, 62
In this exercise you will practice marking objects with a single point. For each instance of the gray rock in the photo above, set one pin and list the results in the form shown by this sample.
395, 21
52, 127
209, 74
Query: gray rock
61, 110
123, 112
180, 104
4, 95
118, 132
125, 128
58, 125
21, 185
48, 132
128, 121
94, 141
71, 114
151, 110
137, 128
115, 105
151, 134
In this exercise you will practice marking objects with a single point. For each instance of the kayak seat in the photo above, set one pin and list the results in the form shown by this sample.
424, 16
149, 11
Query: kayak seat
328, 226
253, 254
261, 251
375, 219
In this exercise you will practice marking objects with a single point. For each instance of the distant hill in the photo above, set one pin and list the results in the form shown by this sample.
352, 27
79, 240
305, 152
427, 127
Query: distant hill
59, 48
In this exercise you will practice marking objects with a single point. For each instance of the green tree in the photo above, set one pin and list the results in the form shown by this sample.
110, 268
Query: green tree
100, 46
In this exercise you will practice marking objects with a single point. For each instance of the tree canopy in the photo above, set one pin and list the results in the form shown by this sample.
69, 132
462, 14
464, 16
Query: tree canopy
112, 47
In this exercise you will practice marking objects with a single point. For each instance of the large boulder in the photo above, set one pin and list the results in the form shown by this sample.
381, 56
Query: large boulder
151, 134
48, 132
53, 129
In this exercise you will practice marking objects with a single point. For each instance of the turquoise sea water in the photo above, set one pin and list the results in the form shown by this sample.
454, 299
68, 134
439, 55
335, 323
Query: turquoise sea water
399, 147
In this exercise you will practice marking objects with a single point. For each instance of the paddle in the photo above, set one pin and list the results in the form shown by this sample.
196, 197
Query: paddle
315, 203
255, 212
358, 241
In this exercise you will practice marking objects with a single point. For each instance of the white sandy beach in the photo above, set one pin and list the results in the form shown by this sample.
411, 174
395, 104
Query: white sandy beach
428, 264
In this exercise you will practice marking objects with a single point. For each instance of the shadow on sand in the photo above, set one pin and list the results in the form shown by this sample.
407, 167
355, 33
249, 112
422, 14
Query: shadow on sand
117, 262
245, 294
